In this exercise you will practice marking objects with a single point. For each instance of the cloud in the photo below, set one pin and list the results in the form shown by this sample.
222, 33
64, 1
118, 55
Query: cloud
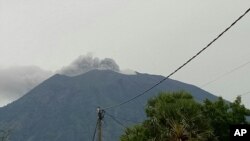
128, 72
17, 81
86, 63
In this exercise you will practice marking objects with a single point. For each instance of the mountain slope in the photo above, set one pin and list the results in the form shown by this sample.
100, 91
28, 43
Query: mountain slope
64, 108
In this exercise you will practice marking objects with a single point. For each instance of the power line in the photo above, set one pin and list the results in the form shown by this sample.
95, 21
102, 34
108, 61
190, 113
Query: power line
93, 138
241, 95
179, 68
117, 121
128, 120
246, 93
225, 74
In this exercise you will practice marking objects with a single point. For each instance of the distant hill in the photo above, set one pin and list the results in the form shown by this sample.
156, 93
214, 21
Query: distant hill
63, 108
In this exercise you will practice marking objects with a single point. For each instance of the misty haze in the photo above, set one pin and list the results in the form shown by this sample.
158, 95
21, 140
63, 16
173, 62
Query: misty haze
91, 70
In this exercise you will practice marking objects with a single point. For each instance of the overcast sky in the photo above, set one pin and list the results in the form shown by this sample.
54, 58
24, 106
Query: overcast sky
151, 36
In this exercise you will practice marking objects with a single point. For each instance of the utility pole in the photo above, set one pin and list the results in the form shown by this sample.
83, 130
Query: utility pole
100, 113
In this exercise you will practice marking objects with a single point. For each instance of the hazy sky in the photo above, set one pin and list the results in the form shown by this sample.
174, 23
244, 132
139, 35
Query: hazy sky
152, 36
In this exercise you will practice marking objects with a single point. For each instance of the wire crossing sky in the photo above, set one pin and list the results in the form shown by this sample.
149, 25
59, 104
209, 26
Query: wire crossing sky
183, 65
39, 38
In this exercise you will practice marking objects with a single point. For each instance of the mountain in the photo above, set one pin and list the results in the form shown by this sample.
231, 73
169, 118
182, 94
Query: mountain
63, 108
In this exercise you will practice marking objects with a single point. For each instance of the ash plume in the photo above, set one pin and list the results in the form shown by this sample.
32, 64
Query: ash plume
87, 63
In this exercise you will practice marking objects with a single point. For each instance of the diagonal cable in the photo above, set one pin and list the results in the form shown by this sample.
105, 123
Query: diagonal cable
93, 138
117, 121
179, 68
243, 94
227, 73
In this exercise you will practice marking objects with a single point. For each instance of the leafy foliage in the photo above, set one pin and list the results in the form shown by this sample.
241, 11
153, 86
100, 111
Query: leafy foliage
222, 115
172, 116
177, 117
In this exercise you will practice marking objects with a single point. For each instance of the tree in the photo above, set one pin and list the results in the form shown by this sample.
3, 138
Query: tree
223, 114
177, 117
172, 117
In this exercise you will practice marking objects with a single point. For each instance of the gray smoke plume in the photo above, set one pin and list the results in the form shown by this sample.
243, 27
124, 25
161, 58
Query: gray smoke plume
17, 81
86, 63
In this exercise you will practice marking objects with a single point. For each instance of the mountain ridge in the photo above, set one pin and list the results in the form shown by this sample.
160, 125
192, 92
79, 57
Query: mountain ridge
64, 108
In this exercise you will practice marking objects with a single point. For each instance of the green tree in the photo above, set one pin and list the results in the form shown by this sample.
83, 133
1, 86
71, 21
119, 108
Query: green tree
172, 117
223, 114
